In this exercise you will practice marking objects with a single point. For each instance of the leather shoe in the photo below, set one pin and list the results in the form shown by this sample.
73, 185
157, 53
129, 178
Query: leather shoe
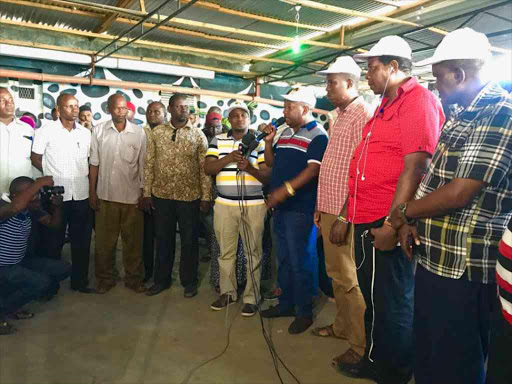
299, 325
156, 289
190, 292
276, 311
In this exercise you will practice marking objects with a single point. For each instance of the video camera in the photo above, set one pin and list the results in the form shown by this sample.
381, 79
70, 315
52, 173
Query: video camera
46, 193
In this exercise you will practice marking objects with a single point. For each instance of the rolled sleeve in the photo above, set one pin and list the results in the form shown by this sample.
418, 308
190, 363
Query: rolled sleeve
487, 152
420, 119
316, 149
213, 149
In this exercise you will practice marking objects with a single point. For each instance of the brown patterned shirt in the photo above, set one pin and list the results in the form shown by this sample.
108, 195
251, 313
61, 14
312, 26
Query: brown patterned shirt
174, 164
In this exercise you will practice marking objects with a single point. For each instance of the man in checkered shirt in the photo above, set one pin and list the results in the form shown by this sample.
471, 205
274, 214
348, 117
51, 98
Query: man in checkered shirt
461, 207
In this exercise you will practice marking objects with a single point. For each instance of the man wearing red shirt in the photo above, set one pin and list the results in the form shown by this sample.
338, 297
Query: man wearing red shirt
385, 171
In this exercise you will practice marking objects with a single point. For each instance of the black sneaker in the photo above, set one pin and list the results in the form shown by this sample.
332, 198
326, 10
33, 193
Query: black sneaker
190, 292
299, 325
249, 310
276, 311
222, 302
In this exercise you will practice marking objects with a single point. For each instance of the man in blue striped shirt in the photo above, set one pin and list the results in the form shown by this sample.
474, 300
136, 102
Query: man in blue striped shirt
25, 279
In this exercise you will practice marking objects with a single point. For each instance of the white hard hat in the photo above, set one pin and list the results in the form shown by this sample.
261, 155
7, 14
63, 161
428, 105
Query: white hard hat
302, 95
462, 43
387, 46
343, 64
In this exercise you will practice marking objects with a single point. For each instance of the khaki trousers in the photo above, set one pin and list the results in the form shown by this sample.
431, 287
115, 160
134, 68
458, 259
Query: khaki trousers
112, 219
340, 266
228, 221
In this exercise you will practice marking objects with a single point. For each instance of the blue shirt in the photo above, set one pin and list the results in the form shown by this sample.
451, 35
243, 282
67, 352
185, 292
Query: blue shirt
293, 152
14, 235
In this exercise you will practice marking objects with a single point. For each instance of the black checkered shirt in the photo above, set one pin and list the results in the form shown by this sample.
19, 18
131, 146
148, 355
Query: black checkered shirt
475, 143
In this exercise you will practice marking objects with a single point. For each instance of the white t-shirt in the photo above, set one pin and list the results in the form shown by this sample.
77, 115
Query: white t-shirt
15, 147
65, 157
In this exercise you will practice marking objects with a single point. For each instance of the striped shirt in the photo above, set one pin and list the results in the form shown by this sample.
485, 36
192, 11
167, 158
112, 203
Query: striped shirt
293, 153
229, 180
344, 137
504, 273
475, 143
14, 234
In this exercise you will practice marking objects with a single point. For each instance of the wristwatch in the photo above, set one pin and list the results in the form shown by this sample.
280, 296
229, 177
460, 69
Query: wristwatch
402, 208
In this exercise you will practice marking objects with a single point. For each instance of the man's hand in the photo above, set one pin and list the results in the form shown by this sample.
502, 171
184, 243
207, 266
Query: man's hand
204, 206
271, 133
338, 233
147, 205
94, 202
277, 197
385, 237
408, 235
396, 220
316, 219
235, 157
244, 165
57, 200
45, 181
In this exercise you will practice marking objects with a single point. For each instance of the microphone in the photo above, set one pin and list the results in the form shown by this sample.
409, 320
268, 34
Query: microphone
246, 144
276, 125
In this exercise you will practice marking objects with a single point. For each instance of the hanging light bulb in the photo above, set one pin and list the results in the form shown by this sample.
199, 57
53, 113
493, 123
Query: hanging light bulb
296, 45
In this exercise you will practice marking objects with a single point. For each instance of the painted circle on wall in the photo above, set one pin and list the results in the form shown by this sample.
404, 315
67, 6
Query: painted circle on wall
48, 101
254, 118
323, 118
53, 88
201, 105
104, 106
265, 115
127, 98
141, 111
95, 91
220, 103
138, 93
70, 91
97, 116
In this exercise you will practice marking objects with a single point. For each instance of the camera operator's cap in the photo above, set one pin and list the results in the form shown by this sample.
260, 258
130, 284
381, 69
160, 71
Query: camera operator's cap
461, 44
387, 46
239, 105
343, 64
302, 95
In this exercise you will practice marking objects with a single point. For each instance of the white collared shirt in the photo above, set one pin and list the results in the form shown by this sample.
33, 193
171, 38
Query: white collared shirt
65, 157
15, 146
120, 158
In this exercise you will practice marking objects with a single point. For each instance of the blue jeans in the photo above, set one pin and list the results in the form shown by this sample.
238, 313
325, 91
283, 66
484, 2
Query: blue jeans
386, 279
30, 280
297, 260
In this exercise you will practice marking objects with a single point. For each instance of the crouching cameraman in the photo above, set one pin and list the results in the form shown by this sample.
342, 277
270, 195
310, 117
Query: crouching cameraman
25, 279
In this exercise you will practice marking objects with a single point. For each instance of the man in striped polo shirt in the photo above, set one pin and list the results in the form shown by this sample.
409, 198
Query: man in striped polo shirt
23, 280
239, 208
296, 160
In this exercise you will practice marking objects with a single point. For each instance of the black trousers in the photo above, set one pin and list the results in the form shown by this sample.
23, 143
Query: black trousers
148, 248
386, 279
499, 369
168, 213
76, 213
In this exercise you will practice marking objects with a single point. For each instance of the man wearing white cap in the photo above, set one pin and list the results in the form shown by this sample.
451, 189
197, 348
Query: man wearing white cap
385, 171
296, 160
239, 207
344, 136
459, 213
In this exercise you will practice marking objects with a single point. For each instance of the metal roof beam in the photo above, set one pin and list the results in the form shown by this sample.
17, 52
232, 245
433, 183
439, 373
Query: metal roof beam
108, 20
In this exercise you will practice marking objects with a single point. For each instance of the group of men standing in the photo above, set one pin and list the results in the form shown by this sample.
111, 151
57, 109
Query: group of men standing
383, 188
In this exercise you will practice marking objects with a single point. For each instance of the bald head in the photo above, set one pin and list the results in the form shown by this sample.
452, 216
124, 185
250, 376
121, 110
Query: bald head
64, 98
117, 108
115, 98
6, 106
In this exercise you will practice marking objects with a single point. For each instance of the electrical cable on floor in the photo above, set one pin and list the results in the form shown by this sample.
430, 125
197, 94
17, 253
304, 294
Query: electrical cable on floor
246, 231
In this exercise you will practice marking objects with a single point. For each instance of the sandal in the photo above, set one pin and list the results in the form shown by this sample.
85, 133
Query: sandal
326, 331
20, 315
349, 358
7, 329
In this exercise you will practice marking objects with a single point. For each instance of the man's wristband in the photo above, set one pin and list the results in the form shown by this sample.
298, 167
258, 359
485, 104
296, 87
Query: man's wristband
289, 188
402, 208
343, 219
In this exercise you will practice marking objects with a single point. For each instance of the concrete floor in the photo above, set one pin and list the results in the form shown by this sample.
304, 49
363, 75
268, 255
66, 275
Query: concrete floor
123, 337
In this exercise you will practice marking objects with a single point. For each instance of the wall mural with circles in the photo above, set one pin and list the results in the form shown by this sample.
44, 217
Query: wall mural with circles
96, 97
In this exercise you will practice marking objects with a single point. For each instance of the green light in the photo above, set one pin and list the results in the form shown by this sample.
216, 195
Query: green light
296, 45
